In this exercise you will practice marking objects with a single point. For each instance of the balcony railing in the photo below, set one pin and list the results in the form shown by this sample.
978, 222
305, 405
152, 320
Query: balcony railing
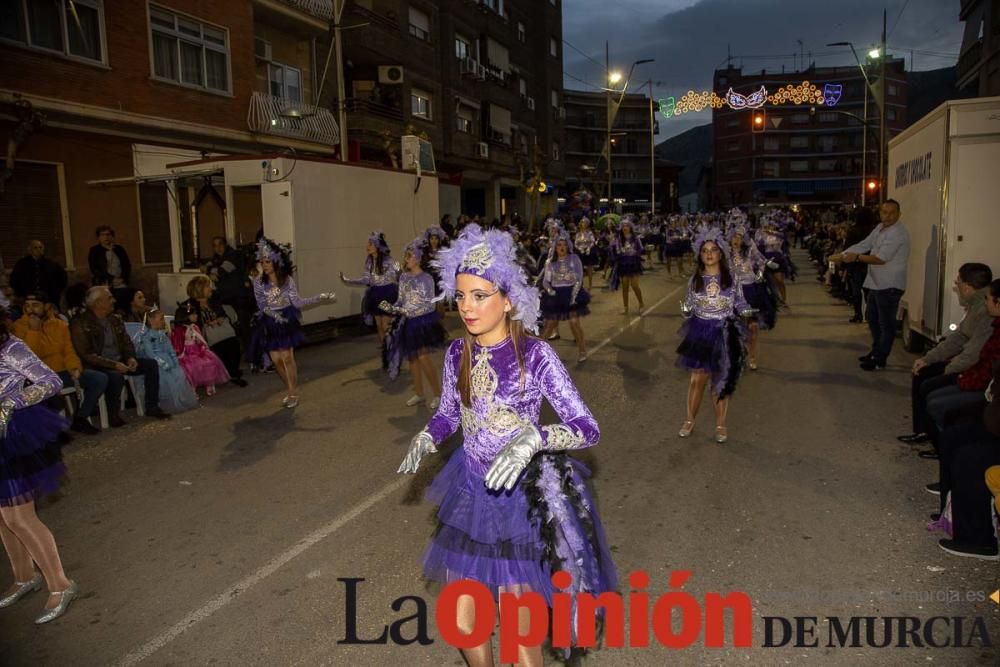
372, 108
320, 8
969, 62
276, 115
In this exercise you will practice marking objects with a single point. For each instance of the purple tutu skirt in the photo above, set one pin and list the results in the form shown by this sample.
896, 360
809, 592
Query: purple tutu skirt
31, 464
271, 334
509, 539
784, 263
421, 334
373, 297
561, 306
715, 347
676, 248
762, 298
628, 265
590, 258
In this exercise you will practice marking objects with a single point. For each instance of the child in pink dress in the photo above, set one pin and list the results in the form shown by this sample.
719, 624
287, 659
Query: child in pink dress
202, 367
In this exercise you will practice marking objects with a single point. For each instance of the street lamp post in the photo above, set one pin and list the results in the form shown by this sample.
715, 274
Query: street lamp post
874, 53
614, 78
652, 153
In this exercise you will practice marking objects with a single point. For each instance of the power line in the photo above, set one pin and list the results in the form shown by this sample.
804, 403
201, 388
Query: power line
586, 83
898, 16
599, 64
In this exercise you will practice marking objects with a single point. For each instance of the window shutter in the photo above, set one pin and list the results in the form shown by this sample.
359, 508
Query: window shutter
155, 223
30, 209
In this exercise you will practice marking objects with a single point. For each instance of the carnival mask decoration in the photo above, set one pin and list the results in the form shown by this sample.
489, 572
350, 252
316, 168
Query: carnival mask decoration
754, 100
832, 93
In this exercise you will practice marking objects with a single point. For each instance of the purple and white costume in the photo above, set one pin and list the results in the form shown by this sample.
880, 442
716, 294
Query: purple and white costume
31, 464
417, 328
562, 282
775, 248
713, 333
513, 506
747, 267
382, 284
586, 246
276, 325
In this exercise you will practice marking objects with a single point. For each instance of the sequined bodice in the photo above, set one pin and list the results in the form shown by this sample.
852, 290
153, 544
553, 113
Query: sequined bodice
415, 294
564, 272
389, 275
19, 366
772, 242
628, 247
744, 268
585, 241
714, 302
273, 298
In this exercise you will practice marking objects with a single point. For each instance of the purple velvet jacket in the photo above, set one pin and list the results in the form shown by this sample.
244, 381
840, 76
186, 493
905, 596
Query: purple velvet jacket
500, 409
18, 365
272, 299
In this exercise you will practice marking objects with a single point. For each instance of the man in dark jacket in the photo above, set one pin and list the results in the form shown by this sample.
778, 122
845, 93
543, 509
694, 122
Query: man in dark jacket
109, 263
227, 269
35, 273
102, 344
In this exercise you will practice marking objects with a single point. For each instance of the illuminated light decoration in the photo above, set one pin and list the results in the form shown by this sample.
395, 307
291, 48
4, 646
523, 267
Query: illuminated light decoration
692, 101
804, 93
754, 100
832, 93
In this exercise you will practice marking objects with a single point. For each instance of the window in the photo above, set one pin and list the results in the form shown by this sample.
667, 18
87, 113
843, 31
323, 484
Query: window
733, 146
31, 209
827, 144
420, 104
893, 90
800, 118
771, 168
799, 165
733, 122
284, 82
828, 117
555, 151
555, 99
553, 47
799, 142
74, 29
420, 25
466, 119
890, 114
524, 143
522, 86
770, 144
826, 165
463, 47
522, 33
189, 52
733, 169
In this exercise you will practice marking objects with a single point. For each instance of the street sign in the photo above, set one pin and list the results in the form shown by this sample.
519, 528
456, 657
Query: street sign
776, 121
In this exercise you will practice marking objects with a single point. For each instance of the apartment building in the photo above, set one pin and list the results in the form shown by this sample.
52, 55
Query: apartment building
979, 62
98, 97
803, 153
480, 79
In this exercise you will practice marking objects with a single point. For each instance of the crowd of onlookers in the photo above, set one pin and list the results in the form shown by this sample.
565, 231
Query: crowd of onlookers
104, 336
952, 392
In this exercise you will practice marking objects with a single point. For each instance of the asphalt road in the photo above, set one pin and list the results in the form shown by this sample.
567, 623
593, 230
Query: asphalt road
219, 537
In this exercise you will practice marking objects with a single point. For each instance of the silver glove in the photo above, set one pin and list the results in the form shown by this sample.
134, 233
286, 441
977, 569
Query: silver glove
421, 445
6, 413
513, 459
387, 307
328, 296
686, 310
748, 312
773, 265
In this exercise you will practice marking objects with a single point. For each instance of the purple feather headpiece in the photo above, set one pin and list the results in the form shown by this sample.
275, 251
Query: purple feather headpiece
416, 248
378, 238
275, 252
491, 255
561, 235
434, 230
739, 229
713, 234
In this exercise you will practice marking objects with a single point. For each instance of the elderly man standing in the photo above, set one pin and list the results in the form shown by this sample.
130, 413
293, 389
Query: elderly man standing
48, 337
37, 273
100, 339
885, 251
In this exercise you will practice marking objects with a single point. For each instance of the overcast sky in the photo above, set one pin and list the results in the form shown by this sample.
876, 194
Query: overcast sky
689, 38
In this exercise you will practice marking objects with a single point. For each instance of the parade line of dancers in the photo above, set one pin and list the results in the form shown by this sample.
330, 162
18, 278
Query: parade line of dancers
513, 508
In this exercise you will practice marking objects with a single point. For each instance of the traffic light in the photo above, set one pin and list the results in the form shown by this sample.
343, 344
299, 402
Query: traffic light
872, 185
759, 120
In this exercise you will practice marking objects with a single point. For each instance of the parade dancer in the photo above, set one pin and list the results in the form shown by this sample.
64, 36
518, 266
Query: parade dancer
416, 330
713, 335
380, 278
31, 468
565, 298
586, 248
775, 248
748, 266
276, 329
507, 518
628, 253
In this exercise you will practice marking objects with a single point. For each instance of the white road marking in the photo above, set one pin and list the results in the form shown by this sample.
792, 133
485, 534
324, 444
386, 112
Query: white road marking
311, 540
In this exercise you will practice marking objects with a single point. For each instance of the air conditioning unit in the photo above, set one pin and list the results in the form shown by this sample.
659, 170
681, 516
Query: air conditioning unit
531, 103
417, 151
390, 74
562, 113
468, 67
483, 150
262, 49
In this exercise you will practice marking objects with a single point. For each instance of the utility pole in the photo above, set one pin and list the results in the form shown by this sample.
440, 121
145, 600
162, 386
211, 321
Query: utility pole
607, 69
882, 138
652, 153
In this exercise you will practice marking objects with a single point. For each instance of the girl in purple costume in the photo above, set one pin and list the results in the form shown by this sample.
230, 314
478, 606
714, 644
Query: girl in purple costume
748, 266
31, 467
627, 250
381, 278
713, 335
771, 241
508, 518
416, 330
565, 298
276, 330
586, 246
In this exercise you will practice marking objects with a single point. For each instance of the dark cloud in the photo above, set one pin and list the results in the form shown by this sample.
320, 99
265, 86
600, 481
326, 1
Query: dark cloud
689, 38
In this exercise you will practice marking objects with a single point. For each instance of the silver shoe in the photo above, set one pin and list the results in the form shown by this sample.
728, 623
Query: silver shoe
292, 402
65, 597
23, 588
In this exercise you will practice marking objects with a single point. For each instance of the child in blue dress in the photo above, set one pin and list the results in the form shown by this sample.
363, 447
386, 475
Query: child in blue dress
176, 395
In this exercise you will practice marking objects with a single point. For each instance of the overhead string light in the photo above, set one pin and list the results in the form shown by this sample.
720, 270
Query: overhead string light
803, 93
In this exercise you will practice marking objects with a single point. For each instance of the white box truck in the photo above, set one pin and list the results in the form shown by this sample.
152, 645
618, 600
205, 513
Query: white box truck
944, 171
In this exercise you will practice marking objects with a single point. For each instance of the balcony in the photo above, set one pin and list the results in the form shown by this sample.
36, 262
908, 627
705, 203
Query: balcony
322, 9
389, 22
278, 116
360, 105
313, 16
969, 63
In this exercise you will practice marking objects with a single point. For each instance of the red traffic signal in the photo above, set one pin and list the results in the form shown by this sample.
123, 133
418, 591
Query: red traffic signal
872, 185
758, 121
